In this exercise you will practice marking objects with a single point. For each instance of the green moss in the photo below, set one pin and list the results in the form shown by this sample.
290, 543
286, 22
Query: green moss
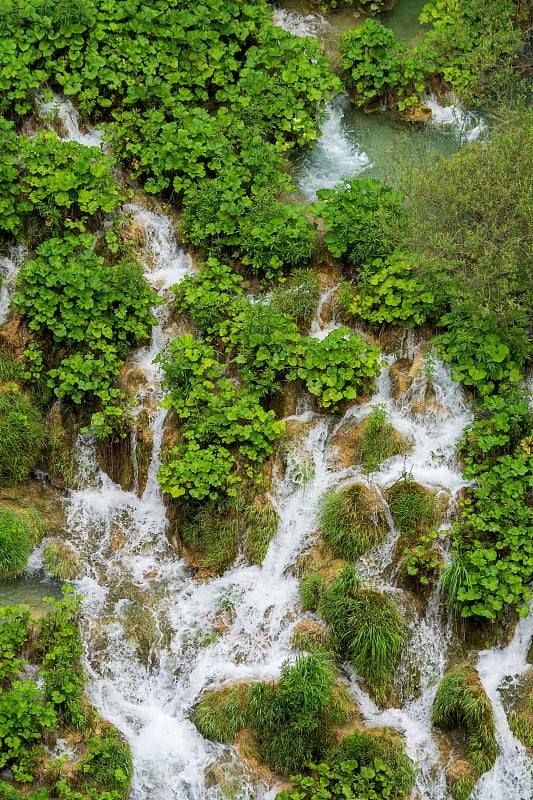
413, 506
380, 440
221, 714
61, 560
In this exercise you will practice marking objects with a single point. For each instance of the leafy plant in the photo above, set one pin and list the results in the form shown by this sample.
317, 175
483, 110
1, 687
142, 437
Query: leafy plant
298, 295
388, 291
379, 69
363, 218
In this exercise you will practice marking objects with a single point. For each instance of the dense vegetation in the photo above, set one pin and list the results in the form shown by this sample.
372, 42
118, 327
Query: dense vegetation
51, 703
200, 104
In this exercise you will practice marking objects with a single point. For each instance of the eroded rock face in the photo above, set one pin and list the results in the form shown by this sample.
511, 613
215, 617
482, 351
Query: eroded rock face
15, 335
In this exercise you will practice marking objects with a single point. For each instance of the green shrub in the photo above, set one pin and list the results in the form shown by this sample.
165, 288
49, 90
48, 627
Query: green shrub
338, 367
378, 69
365, 747
15, 543
210, 296
341, 779
352, 520
107, 765
22, 435
363, 218
388, 291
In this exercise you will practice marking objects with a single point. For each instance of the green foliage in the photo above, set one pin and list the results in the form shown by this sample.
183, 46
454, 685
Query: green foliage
422, 562
60, 648
412, 506
10, 209
379, 440
471, 222
378, 69
372, 781
94, 311
482, 354
311, 593
298, 296
15, 543
493, 557
388, 291
338, 367
24, 716
367, 630
108, 765
221, 422
209, 296
351, 520
362, 219
293, 722
22, 435
14, 632
520, 725
461, 702
470, 40
365, 746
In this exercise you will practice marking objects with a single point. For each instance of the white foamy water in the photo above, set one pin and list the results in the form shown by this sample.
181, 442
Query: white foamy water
301, 24
465, 125
9, 269
60, 109
334, 155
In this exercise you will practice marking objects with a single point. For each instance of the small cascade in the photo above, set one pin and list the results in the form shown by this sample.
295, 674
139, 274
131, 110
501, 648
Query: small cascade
337, 153
9, 269
60, 114
301, 24
512, 773
465, 125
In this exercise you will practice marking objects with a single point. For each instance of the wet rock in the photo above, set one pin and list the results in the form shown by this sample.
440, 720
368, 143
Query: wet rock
15, 334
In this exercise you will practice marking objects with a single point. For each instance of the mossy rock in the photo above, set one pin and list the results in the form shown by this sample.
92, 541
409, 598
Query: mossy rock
367, 444
62, 560
352, 520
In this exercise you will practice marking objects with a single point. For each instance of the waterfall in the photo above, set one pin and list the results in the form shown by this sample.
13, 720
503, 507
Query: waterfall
9, 269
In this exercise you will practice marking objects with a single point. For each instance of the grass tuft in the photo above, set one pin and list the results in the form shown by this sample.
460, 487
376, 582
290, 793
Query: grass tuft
261, 524
22, 435
413, 506
15, 543
352, 520
380, 440
298, 296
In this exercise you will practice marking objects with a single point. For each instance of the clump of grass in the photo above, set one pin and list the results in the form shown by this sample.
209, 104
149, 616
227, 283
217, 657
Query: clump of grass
22, 435
15, 543
365, 746
261, 524
62, 560
379, 440
412, 506
212, 532
220, 715
462, 703
311, 593
521, 726
367, 630
298, 296
293, 722
352, 520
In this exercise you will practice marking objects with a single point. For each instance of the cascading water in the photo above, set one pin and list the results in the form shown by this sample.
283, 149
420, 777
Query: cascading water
9, 268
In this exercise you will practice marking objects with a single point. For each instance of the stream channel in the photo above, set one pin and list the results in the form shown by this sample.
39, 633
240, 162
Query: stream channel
156, 637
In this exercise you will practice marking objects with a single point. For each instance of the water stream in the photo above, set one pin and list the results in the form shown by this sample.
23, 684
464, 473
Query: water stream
157, 637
